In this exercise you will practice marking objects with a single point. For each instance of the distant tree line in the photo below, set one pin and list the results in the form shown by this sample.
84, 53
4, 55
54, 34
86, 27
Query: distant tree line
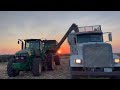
5, 58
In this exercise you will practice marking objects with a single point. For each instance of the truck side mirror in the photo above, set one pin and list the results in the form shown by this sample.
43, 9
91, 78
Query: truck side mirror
18, 42
110, 36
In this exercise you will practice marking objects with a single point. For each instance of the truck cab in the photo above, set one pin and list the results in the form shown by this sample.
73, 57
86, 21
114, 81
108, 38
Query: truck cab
91, 56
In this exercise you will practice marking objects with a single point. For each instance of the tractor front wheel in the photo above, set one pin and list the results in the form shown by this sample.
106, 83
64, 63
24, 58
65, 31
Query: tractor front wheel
10, 71
36, 67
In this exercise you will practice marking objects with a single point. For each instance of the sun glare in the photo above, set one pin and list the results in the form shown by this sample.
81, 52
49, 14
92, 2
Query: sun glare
59, 52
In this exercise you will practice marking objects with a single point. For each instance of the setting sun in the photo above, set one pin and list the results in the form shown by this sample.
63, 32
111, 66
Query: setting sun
59, 52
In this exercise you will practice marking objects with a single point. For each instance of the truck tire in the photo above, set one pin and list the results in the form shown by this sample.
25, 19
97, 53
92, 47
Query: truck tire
72, 76
70, 68
115, 77
57, 60
50, 62
10, 71
36, 67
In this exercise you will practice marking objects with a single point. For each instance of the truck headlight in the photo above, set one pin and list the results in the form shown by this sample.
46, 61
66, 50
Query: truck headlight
77, 61
117, 60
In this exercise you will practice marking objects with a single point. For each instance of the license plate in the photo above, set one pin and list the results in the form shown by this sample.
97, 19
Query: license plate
107, 69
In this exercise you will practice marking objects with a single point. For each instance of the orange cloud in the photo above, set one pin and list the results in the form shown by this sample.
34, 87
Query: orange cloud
12, 47
65, 48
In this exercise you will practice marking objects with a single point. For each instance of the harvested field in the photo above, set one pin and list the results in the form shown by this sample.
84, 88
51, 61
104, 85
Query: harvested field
60, 72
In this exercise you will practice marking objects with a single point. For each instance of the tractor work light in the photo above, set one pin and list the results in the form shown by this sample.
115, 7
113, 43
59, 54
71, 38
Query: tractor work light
77, 61
17, 58
117, 60
22, 57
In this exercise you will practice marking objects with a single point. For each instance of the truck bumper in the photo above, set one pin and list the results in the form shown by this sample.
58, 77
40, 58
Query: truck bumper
89, 73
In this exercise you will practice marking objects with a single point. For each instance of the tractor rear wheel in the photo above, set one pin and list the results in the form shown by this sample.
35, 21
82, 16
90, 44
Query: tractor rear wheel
10, 71
57, 60
50, 62
36, 67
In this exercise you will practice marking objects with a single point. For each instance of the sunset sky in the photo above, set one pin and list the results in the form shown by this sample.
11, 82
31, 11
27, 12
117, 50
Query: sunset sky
16, 25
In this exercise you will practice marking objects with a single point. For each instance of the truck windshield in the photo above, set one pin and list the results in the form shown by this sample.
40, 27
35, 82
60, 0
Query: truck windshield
32, 44
89, 38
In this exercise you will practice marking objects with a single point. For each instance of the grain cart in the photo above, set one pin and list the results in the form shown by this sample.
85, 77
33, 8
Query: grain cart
49, 47
90, 55
36, 55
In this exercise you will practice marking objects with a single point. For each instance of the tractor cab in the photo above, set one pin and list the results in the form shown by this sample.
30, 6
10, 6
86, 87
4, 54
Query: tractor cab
33, 44
30, 47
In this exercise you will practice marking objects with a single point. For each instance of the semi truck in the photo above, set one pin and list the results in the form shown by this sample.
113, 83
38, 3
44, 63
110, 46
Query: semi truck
91, 55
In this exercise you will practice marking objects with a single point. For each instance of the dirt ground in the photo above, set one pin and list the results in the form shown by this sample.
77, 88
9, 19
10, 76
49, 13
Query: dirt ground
60, 72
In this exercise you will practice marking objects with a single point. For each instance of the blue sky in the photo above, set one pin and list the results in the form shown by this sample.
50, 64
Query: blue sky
52, 25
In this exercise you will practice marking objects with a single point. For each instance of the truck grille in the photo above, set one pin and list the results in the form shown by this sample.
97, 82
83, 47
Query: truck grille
98, 55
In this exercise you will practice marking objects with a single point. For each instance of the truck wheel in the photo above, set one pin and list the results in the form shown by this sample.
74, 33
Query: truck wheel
50, 62
36, 67
70, 68
10, 71
57, 60
115, 77
73, 76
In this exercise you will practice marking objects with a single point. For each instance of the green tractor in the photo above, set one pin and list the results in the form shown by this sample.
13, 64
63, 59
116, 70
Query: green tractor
35, 56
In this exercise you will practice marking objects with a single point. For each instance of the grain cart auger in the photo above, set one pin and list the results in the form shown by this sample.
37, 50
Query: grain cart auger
36, 55
73, 27
52, 46
90, 55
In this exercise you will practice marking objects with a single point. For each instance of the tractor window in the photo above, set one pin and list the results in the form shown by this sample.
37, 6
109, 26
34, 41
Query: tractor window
27, 45
32, 44
41, 45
